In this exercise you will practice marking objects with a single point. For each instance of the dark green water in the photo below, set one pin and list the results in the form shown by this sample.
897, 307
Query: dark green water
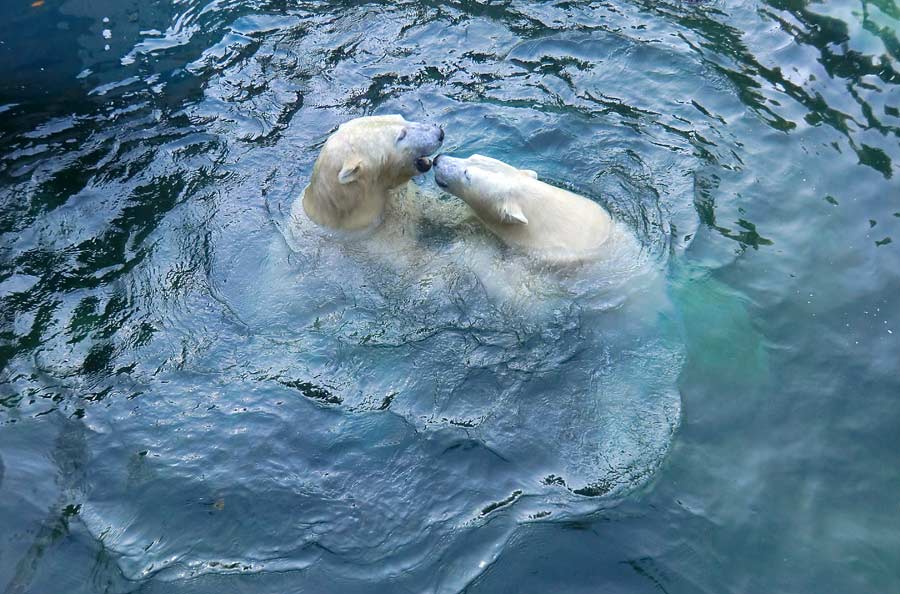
196, 399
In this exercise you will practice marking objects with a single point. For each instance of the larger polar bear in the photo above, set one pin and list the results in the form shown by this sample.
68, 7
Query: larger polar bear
524, 212
361, 164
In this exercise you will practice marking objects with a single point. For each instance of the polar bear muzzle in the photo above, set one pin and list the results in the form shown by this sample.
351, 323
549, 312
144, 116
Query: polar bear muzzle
423, 164
417, 141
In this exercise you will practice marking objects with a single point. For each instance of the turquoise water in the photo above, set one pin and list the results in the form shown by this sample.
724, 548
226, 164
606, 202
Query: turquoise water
200, 395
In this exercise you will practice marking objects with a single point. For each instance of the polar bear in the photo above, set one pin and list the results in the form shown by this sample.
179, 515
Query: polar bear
524, 212
361, 163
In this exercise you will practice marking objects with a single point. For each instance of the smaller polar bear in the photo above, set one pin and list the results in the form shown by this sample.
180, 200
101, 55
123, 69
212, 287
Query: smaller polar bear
525, 213
361, 164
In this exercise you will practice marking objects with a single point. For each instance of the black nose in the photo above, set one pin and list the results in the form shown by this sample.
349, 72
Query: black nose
423, 164
441, 135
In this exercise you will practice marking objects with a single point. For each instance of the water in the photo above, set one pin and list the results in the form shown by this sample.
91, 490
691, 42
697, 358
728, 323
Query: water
201, 394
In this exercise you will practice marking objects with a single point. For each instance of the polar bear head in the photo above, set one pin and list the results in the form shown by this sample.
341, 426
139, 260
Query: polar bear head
361, 162
489, 186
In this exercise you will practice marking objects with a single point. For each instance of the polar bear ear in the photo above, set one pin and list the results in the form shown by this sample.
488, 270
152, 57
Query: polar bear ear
350, 171
511, 214
530, 173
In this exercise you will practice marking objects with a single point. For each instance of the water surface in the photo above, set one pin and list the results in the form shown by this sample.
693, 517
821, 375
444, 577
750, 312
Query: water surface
197, 395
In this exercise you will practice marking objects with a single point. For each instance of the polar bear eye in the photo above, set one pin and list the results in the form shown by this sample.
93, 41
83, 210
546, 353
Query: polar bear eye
402, 135
466, 173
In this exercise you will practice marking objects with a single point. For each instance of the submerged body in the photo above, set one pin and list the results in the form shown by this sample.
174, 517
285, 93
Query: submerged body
361, 163
524, 212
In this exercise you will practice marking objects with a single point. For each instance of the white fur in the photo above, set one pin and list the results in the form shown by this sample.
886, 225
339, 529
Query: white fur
360, 164
524, 212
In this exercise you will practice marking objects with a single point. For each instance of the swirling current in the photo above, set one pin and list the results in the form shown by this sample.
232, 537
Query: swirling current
201, 392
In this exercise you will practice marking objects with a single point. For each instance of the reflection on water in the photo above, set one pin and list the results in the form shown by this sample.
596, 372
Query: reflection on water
199, 393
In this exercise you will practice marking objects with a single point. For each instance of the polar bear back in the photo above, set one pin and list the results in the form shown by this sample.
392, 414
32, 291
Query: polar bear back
544, 220
561, 224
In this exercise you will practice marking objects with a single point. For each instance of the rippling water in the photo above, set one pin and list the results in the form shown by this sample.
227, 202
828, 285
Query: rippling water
199, 393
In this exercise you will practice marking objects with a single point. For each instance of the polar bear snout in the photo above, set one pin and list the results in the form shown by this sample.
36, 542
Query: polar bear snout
423, 164
434, 163
447, 171
420, 140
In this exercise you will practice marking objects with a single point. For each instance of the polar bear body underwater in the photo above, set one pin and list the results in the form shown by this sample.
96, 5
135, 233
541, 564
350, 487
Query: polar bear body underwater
361, 163
525, 212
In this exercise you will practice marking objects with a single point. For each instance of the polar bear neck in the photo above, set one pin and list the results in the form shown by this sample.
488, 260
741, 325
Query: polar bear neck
350, 212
